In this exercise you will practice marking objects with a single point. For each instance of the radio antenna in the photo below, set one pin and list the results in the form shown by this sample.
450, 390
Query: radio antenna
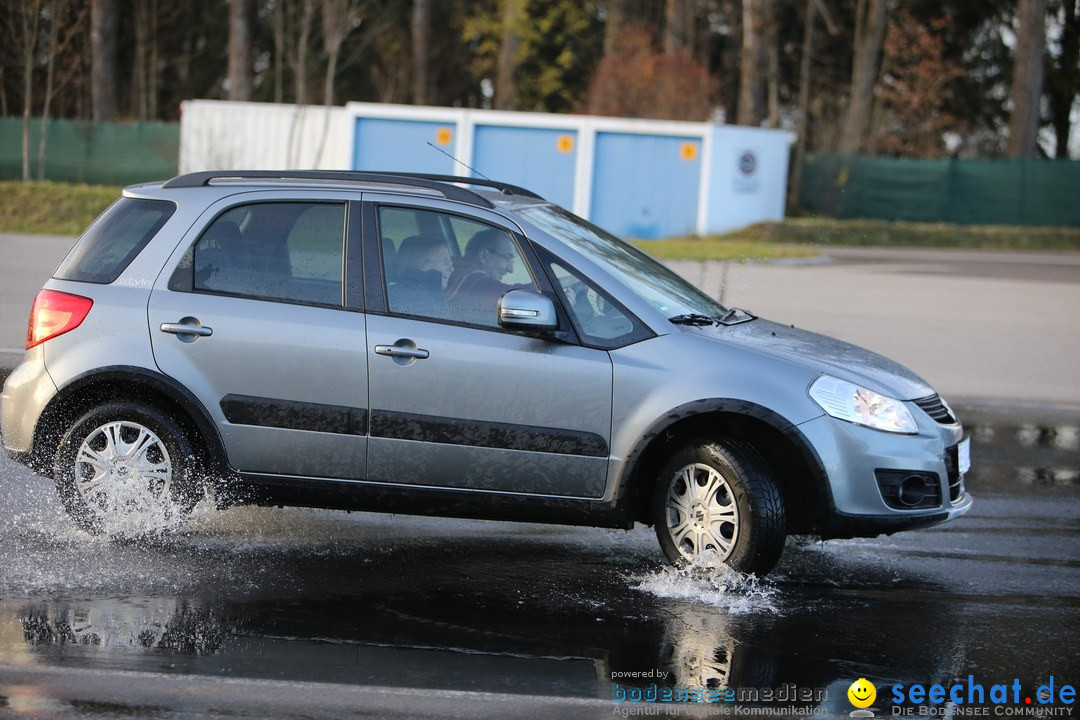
471, 169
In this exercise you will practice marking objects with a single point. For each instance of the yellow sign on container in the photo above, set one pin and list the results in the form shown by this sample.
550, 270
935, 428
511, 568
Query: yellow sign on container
565, 143
444, 136
688, 151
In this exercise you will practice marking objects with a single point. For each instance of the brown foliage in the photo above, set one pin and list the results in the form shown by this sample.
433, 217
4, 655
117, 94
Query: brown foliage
638, 81
915, 88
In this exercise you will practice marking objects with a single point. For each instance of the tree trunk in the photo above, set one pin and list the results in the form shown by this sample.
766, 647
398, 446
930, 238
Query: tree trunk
772, 84
279, 51
152, 69
675, 26
754, 62
1027, 82
505, 85
1064, 80
869, 36
141, 22
28, 25
307, 16
103, 22
804, 101
56, 14
613, 25
239, 70
421, 49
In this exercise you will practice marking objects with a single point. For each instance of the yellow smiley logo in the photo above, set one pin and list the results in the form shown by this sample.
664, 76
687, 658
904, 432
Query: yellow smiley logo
862, 693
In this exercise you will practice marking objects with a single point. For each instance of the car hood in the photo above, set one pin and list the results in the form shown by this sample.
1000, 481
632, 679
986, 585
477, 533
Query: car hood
826, 355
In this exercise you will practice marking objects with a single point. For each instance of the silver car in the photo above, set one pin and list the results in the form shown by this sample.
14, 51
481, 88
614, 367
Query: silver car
450, 346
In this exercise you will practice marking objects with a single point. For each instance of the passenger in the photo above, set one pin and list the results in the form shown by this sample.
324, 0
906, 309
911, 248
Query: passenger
423, 267
476, 285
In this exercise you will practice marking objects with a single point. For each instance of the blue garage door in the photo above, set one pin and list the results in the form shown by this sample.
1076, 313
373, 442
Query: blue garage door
539, 159
646, 186
403, 145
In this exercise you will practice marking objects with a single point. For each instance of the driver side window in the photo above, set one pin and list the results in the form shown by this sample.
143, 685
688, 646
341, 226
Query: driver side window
447, 267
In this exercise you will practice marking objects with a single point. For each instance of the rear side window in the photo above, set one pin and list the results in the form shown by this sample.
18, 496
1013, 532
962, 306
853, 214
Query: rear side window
113, 241
288, 252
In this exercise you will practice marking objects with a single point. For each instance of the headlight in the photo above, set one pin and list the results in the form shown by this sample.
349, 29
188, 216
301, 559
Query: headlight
847, 401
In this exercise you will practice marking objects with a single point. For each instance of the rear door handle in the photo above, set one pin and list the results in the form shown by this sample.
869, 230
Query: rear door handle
187, 326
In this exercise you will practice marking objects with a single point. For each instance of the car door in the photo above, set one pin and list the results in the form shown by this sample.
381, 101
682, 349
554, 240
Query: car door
455, 400
261, 321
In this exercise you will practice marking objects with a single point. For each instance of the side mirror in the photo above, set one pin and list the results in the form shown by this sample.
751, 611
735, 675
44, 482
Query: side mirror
527, 310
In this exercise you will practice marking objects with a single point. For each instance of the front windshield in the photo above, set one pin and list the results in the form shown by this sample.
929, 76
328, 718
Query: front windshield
647, 278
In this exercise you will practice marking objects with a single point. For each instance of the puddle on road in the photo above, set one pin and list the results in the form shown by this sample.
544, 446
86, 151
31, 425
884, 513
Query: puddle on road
1008, 455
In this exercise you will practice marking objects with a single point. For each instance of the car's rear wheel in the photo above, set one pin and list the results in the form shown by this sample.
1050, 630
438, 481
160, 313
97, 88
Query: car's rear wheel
127, 469
718, 497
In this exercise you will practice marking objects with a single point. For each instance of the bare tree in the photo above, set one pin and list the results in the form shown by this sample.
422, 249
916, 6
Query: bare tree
613, 25
103, 24
57, 10
421, 49
29, 20
140, 85
505, 85
1063, 79
813, 8
339, 19
804, 100
1027, 82
871, 18
676, 25
278, 21
754, 61
239, 70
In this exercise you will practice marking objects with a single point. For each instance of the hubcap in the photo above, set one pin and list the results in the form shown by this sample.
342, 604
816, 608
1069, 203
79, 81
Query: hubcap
123, 466
702, 515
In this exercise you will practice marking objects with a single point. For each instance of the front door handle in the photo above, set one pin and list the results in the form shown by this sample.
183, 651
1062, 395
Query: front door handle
404, 352
399, 351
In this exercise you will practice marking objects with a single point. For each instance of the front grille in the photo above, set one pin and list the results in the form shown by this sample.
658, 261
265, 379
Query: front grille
952, 468
909, 490
936, 408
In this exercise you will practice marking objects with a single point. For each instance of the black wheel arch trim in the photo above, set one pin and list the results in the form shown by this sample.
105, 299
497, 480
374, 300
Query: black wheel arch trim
627, 495
134, 376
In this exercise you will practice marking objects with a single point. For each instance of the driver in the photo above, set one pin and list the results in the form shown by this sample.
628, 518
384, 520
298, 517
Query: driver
475, 286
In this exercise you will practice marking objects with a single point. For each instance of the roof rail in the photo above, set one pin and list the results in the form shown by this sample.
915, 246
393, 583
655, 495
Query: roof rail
440, 183
505, 188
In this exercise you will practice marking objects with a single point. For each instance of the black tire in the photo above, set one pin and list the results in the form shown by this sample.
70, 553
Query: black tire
157, 475
735, 509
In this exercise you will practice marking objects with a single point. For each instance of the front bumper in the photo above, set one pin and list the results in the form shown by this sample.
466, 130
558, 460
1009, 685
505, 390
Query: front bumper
853, 456
842, 525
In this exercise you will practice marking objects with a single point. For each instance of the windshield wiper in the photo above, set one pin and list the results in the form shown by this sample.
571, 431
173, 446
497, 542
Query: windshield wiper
693, 319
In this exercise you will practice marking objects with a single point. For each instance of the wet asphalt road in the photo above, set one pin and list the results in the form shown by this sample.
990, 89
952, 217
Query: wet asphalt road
373, 615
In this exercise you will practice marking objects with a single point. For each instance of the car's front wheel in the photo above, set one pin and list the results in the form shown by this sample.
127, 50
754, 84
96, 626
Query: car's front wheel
127, 469
718, 497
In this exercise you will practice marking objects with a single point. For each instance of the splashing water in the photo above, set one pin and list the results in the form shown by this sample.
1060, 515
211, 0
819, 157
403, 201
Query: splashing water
139, 513
709, 581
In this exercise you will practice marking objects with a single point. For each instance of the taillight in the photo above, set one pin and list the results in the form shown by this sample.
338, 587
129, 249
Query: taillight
55, 313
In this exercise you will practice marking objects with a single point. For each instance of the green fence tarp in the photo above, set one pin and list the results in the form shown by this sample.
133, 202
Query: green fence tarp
969, 192
96, 153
